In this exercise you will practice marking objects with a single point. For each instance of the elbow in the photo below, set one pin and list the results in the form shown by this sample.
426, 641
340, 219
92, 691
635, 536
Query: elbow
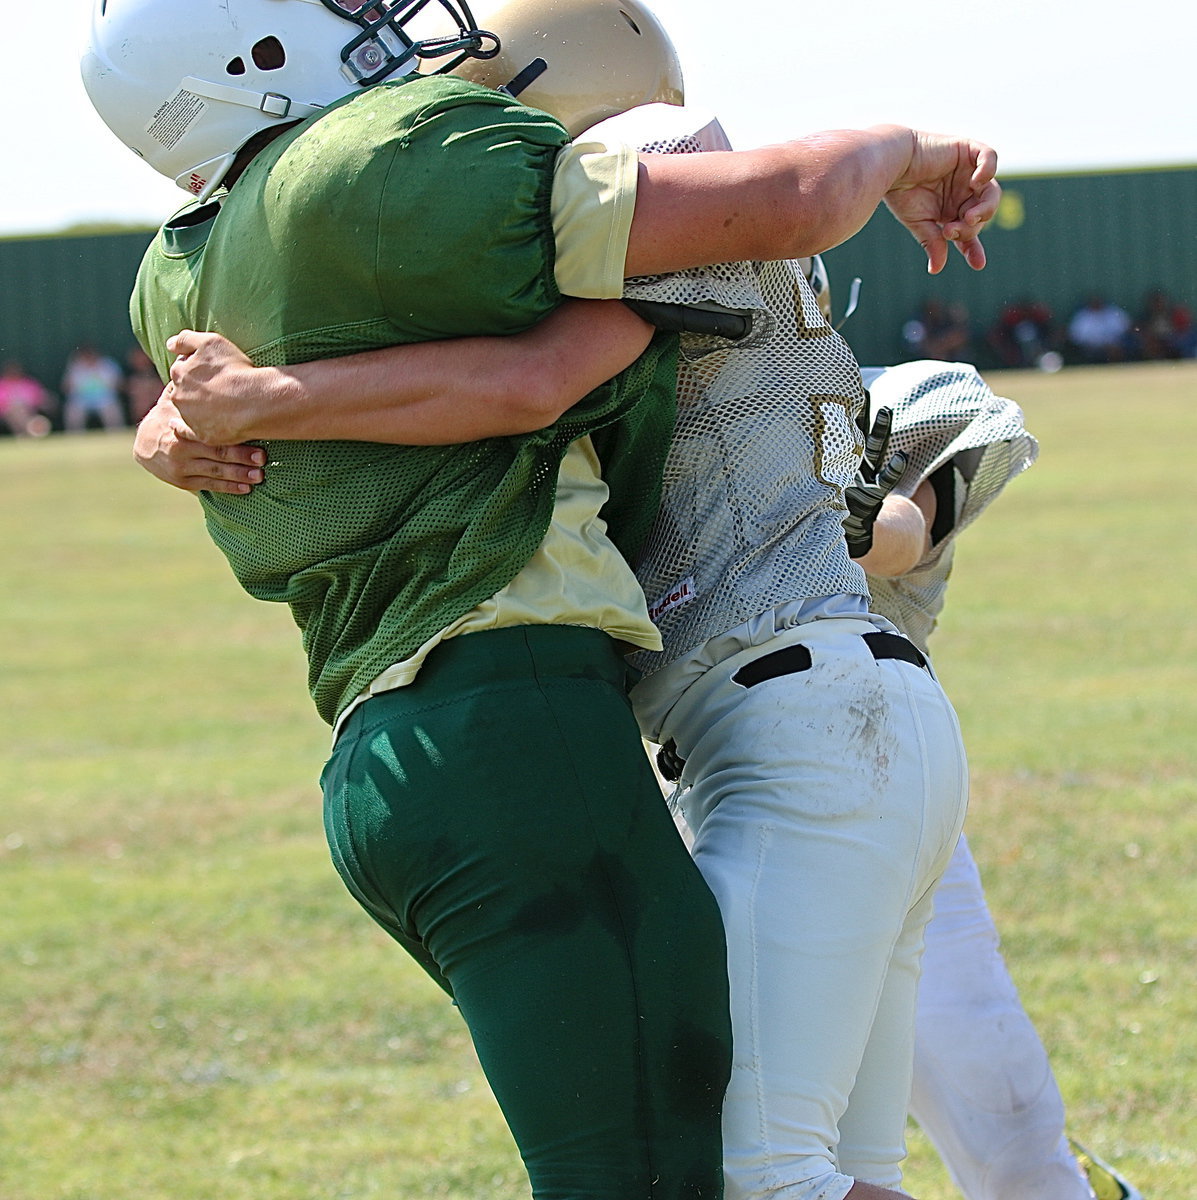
529, 402
884, 563
900, 540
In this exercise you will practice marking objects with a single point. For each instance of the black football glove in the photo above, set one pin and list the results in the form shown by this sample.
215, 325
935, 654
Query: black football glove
876, 477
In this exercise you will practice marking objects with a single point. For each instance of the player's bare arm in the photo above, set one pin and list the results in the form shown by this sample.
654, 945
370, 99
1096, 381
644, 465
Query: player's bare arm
781, 201
808, 195
430, 393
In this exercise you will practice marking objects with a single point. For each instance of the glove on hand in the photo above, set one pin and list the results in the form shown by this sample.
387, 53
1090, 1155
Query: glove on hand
877, 476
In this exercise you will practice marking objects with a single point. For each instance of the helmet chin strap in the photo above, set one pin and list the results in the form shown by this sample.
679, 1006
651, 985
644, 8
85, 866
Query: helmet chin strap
273, 104
529, 75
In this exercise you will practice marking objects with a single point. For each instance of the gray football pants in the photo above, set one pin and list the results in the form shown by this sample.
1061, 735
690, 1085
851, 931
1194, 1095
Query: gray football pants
824, 806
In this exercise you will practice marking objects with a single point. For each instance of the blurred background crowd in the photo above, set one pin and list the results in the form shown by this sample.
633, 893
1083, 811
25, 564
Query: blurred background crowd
95, 390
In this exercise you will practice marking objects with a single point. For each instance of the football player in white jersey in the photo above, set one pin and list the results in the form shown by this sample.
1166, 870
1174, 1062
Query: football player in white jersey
984, 1091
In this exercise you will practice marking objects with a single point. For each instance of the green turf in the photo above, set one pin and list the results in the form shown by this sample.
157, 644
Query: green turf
191, 1007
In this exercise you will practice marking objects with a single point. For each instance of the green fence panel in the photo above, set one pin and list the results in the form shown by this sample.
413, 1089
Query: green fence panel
1057, 239
59, 292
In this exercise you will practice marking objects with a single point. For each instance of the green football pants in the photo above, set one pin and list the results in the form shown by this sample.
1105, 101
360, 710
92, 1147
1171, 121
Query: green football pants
499, 819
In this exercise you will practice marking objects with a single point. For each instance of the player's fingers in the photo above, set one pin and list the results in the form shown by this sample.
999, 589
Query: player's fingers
974, 253
186, 341
975, 214
241, 461
242, 455
225, 462
893, 470
878, 437
935, 246
239, 455
212, 475
227, 487
983, 206
986, 162
965, 237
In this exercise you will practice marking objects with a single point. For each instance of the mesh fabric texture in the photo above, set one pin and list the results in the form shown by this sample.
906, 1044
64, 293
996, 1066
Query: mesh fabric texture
944, 413
765, 443
402, 213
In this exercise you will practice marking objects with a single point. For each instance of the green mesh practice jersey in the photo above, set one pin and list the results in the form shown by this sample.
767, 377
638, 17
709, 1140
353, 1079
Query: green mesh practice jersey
414, 210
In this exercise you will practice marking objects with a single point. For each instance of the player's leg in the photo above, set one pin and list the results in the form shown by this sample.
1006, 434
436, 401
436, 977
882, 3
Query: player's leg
807, 831
503, 812
872, 1136
111, 414
932, 774
984, 1092
74, 417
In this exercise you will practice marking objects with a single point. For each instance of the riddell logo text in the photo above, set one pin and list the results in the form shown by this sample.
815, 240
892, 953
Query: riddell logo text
683, 593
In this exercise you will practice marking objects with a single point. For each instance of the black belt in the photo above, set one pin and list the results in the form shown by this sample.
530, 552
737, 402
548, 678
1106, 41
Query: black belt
790, 660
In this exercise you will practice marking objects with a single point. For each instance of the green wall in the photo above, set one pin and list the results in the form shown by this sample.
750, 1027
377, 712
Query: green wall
56, 292
1056, 239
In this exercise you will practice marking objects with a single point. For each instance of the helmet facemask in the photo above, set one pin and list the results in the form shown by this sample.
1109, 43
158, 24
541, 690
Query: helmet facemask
383, 45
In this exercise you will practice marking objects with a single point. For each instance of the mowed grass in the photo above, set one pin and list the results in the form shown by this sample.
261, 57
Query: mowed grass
191, 1006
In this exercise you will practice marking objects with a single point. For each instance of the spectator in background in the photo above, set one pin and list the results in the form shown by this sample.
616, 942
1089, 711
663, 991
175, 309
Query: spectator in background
24, 402
1023, 334
142, 385
1100, 332
938, 331
1166, 328
91, 387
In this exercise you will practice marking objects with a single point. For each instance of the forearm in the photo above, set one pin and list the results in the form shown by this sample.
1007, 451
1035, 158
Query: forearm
430, 393
786, 201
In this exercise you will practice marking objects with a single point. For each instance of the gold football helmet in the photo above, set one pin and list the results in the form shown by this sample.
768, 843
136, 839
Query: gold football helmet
579, 60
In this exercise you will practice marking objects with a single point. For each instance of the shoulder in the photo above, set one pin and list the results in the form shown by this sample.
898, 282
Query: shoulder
434, 111
665, 129
942, 410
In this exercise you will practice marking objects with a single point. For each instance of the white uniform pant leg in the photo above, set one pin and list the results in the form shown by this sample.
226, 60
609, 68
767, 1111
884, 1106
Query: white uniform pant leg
984, 1092
825, 805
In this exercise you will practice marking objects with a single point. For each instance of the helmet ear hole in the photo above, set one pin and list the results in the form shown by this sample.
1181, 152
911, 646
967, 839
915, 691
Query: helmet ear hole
235, 67
627, 17
269, 55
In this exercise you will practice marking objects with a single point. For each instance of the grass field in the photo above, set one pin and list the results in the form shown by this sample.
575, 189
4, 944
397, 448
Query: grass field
191, 1007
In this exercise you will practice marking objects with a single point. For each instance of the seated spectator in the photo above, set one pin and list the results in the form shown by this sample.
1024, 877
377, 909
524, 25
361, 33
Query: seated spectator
1101, 332
1165, 328
23, 402
938, 331
1023, 333
91, 387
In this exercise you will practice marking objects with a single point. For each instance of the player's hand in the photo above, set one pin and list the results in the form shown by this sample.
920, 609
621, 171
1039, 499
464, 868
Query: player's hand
215, 387
948, 193
878, 476
167, 448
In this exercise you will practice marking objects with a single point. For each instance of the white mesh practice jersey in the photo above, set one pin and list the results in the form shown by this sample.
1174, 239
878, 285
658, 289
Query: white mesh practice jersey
948, 421
766, 441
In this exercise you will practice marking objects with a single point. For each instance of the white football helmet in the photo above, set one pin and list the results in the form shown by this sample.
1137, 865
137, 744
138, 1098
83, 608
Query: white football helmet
579, 60
186, 83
